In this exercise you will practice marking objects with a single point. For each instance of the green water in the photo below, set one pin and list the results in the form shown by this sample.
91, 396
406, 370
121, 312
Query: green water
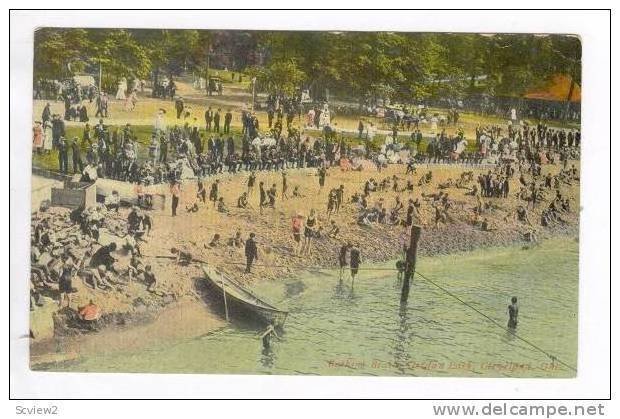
335, 330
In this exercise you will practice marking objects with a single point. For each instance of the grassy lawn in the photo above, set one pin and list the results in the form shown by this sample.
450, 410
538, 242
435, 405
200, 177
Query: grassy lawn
235, 98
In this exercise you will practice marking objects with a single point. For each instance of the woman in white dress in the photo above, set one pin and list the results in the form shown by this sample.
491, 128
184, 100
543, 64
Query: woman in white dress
325, 119
47, 137
434, 121
122, 87
160, 121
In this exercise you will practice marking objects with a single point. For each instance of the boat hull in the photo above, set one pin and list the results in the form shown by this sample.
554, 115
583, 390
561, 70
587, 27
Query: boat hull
243, 308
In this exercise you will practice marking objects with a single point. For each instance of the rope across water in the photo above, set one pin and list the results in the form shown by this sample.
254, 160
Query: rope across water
449, 293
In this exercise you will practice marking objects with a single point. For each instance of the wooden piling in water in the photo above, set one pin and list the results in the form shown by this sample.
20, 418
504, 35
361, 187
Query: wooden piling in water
225, 302
412, 253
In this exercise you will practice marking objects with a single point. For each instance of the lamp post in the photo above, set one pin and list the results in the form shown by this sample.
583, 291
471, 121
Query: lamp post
208, 65
100, 74
253, 92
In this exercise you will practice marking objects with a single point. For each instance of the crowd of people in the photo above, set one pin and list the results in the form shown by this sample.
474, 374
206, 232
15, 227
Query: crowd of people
114, 152
68, 246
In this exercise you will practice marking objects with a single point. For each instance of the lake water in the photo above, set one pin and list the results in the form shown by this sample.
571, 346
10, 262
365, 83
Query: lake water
333, 329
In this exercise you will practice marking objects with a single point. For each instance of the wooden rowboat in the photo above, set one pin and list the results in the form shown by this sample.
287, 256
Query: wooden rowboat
239, 300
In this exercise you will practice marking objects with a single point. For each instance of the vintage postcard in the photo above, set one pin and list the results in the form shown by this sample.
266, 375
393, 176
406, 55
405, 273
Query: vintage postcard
305, 203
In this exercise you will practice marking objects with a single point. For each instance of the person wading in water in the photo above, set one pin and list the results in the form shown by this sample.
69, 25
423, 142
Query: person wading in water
513, 313
354, 262
342, 258
266, 336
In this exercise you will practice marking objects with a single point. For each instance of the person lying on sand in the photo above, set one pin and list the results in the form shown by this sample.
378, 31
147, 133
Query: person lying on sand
449, 183
215, 241
183, 257
193, 207
297, 193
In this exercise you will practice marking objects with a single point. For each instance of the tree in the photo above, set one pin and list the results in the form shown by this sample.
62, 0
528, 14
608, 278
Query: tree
121, 55
363, 65
283, 77
60, 53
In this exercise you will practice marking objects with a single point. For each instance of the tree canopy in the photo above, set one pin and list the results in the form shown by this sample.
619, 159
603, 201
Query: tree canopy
365, 65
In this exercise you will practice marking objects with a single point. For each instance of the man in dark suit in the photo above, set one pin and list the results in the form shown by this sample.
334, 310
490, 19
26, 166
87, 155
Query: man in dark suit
63, 155
216, 121
99, 103
163, 148
211, 145
76, 156
58, 129
251, 252
67, 108
270, 113
227, 121
230, 146
209, 118
219, 148
179, 105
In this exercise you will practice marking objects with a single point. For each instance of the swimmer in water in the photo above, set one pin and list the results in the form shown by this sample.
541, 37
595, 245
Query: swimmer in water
400, 267
513, 313
342, 258
266, 336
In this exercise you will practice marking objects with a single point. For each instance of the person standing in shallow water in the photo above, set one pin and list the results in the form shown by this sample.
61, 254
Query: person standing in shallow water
267, 334
513, 313
354, 261
342, 258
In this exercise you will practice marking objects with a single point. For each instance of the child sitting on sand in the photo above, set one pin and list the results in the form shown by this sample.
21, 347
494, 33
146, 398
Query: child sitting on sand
149, 279
183, 257
221, 206
215, 241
